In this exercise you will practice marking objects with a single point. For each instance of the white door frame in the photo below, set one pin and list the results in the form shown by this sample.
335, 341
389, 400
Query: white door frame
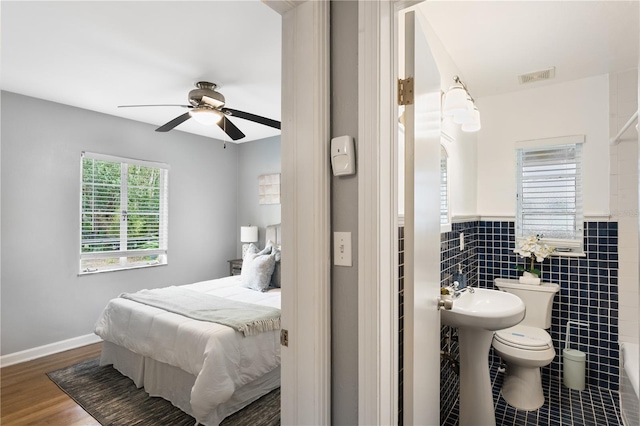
377, 218
377, 206
306, 380
306, 228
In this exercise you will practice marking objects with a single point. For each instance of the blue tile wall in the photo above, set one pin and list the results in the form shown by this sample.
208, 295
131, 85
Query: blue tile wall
451, 256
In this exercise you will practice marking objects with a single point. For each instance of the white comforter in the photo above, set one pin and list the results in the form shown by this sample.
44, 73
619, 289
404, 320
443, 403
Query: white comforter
221, 359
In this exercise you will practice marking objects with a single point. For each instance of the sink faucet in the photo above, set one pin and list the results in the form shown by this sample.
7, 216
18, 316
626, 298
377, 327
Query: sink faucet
457, 291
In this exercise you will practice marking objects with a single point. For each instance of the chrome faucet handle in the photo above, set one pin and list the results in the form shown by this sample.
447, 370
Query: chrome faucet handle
456, 285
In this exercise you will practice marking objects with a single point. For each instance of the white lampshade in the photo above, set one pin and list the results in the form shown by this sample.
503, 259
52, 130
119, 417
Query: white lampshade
248, 234
474, 124
455, 100
463, 116
205, 116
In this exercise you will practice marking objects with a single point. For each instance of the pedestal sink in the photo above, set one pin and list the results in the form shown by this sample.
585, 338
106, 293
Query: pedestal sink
477, 315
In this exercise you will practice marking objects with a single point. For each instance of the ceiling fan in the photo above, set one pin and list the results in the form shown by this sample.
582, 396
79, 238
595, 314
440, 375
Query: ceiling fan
207, 107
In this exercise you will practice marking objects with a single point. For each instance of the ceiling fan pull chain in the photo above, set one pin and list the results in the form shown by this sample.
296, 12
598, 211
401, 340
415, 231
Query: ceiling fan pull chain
224, 124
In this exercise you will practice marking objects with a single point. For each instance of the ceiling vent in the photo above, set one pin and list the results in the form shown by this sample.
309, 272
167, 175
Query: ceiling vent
532, 77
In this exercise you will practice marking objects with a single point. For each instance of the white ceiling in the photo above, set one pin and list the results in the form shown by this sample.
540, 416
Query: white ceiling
98, 55
492, 42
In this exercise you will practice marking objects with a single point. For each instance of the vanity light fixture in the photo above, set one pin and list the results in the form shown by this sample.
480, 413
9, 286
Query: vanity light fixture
459, 105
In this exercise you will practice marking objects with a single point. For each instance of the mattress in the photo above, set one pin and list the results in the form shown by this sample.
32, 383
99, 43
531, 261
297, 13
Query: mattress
221, 359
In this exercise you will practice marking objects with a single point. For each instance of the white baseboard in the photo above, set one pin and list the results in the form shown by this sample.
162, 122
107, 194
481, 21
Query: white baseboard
51, 348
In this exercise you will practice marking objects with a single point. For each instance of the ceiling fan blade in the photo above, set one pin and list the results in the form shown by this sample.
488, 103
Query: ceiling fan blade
175, 122
156, 105
252, 117
230, 129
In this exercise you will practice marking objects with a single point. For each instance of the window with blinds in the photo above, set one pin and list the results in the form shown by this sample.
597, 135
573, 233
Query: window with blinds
549, 194
445, 217
124, 213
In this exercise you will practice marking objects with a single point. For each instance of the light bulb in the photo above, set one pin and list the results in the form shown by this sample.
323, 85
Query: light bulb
206, 116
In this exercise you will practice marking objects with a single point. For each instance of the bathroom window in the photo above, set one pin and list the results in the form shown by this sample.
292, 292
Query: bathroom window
445, 211
549, 191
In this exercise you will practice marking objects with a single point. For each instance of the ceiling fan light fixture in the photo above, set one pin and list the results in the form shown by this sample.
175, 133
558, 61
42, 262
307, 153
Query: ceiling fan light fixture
206, 116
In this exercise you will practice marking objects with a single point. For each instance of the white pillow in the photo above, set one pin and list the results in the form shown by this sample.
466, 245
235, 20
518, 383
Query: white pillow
257, 270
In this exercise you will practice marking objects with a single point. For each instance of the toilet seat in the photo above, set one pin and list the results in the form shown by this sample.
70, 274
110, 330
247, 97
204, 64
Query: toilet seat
524, 337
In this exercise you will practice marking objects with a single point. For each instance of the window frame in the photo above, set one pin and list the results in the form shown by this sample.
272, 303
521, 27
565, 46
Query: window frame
123, 254
565, 246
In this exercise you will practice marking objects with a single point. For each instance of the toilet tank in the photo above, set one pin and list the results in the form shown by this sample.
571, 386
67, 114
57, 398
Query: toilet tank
538, 300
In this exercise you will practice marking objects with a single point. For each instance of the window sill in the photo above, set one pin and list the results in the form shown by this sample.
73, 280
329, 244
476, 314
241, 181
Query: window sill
126, 268
569, 254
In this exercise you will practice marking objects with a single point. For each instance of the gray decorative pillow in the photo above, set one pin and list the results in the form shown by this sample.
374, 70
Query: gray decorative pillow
275, 278
257, 270
252, 248
255, 250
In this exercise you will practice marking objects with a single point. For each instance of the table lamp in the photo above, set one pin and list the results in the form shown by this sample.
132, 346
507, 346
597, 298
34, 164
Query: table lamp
248, 234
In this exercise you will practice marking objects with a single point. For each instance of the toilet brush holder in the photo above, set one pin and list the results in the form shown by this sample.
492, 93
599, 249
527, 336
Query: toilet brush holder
573, 367
573, 362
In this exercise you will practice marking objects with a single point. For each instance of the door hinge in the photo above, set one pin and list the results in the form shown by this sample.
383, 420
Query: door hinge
405, 91
284, 337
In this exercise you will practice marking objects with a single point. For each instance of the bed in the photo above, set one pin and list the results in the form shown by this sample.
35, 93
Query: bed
206, 369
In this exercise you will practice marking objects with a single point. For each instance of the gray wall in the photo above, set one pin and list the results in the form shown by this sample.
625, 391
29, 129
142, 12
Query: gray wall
256, 158
43, 298
344, 216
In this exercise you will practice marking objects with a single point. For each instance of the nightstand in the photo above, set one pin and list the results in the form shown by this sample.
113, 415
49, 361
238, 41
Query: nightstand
235, 266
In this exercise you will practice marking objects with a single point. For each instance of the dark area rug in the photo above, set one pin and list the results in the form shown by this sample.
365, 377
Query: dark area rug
113, 400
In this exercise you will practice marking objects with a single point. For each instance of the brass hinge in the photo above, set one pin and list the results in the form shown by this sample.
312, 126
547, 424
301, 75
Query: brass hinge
284, 337
405, 91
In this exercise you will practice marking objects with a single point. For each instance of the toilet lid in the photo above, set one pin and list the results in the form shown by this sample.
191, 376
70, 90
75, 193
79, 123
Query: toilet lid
524, 337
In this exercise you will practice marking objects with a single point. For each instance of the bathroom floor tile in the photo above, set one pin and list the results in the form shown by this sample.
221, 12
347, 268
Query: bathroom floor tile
593, 406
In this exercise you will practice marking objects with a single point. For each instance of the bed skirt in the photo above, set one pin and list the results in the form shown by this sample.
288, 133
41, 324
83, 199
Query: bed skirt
174, 384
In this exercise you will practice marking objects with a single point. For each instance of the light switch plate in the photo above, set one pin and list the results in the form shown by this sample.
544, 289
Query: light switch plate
342, 249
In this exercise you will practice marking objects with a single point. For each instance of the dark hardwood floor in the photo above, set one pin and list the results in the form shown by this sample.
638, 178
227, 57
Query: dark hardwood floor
28, 397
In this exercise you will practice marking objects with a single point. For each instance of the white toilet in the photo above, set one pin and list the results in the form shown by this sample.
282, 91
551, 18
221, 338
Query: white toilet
527, 346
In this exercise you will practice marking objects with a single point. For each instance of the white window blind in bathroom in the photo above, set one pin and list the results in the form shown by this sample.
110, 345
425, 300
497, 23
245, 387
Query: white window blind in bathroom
444, 193
549, 194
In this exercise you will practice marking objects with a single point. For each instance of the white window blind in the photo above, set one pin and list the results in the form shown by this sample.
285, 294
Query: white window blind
124, 213
549, 194
444, 188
